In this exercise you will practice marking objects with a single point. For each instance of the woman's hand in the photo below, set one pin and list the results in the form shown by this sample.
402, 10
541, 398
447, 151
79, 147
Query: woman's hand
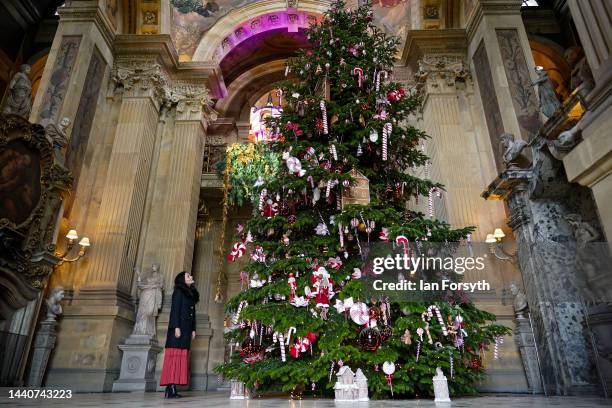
193, 335
177, 332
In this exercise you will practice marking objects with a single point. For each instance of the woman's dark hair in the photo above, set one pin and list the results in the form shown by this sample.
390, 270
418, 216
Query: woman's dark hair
179, 282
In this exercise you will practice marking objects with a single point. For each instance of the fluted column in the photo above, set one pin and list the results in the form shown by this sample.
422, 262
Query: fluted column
123, 200
173, 218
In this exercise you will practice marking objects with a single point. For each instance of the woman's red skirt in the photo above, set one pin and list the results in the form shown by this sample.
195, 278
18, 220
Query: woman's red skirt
176, 367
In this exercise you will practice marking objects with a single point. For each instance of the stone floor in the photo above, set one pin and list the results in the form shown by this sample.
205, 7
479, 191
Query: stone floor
220, 399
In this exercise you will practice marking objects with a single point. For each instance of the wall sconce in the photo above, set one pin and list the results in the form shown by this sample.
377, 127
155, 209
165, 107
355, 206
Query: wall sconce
72, 237
497, 248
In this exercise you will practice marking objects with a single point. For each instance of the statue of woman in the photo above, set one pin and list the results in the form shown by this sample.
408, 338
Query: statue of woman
549, 103
150, 286
19, 98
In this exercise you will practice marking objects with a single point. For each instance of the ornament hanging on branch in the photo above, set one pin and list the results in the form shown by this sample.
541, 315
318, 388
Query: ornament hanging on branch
387, 128
389, 369
370, 339
324, 113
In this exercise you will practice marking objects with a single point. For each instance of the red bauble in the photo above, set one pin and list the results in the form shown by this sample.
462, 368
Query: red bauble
294, 351
312, 337
401, 92
393, 96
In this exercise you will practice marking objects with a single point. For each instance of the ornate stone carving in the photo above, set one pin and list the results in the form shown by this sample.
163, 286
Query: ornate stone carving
54, 308
192, 102
141, 78
32, 184
520, 301
512, 151
448, 68
19, 96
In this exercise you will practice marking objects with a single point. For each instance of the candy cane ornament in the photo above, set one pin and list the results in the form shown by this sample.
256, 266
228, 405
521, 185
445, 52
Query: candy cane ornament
403, 241
289, 332
279, 93
324, 112
341, 234
241, 305
278, 337
384, 73
359, 72
386, 134
334, 152
262, 197
498, 341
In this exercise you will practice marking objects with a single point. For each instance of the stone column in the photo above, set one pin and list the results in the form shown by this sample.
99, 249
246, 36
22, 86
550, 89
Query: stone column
590, 163
503, 68
460, 152
117, 229
548, 267
172, 222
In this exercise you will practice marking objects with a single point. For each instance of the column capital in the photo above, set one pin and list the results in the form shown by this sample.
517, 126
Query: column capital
141, 78
438, 71
193, 102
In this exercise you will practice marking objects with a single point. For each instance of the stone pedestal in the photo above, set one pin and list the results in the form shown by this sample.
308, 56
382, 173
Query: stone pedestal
529, 354
138, 364
44, 343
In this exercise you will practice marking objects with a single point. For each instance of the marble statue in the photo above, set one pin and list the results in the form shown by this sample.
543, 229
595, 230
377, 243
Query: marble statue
549, 103
520, 301
440, 384
512, 151
56, 134
150, 286
19, 95
54, 308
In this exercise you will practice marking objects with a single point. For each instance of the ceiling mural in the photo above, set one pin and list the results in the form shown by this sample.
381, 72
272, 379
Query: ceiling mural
192, 18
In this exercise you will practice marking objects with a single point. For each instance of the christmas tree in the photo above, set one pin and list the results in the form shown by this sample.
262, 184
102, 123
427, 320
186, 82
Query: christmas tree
331, 188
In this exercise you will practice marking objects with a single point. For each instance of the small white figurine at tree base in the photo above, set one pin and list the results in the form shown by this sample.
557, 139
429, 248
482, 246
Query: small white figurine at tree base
440, 384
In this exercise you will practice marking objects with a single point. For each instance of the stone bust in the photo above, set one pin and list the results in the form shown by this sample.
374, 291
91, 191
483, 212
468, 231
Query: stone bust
150, 285
520, 301
19, 94
54, 308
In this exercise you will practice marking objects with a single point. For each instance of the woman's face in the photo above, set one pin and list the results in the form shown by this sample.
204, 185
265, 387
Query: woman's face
188, 279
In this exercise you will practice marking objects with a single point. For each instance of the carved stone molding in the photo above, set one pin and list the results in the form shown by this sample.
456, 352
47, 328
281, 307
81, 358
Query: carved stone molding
33, 187
490, 7
141, 78
192, 102
450, 69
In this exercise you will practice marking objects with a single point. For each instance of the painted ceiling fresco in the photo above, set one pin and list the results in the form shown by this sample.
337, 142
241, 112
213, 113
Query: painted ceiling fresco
192, 18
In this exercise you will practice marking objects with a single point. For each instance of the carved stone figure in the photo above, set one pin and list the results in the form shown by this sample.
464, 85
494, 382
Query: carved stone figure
566, 141
56, 134
512, 151
520, 301
440, 384
54, 308
548, 98
581, 71
583, 231
19, 98
150, 286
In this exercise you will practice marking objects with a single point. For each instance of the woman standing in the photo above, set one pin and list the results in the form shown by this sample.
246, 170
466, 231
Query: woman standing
181, 330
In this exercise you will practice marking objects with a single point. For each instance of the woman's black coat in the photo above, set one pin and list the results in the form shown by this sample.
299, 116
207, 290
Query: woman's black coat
183, 316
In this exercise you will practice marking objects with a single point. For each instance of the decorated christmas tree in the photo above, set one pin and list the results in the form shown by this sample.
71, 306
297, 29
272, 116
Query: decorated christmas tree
332, 189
